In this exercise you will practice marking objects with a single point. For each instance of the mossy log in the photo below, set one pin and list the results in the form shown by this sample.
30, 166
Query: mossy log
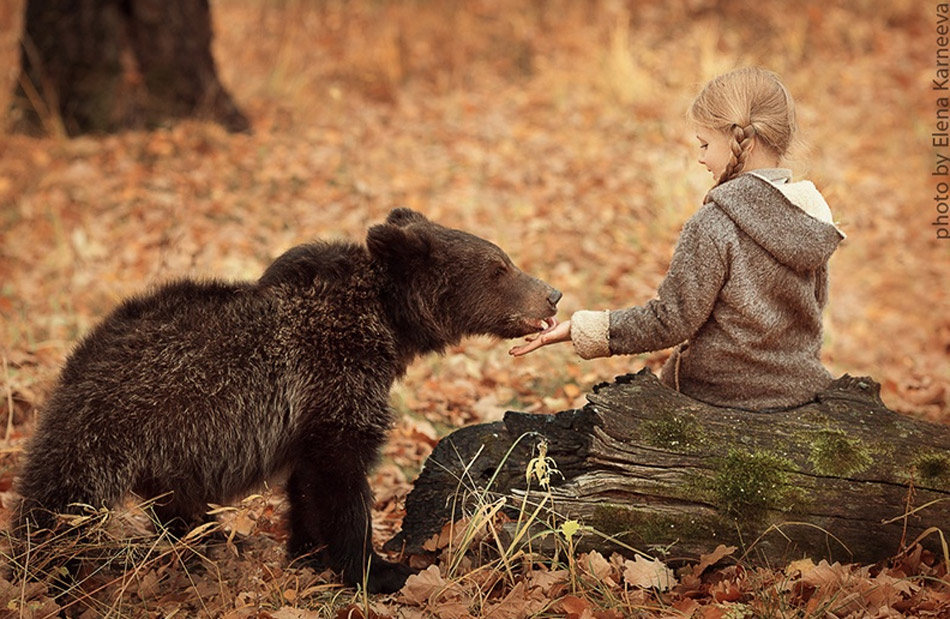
842, 478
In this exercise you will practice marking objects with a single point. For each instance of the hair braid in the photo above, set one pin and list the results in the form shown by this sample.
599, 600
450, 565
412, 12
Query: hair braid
741, 146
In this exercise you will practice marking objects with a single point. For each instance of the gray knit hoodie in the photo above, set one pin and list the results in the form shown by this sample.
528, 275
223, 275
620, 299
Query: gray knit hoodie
746, 287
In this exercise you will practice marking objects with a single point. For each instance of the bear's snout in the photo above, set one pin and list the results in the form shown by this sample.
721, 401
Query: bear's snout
546, 298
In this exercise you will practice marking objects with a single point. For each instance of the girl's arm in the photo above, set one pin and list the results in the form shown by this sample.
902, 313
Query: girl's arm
684, 302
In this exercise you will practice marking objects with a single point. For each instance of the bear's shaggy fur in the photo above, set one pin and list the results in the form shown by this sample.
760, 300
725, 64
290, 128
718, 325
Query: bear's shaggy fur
205, 390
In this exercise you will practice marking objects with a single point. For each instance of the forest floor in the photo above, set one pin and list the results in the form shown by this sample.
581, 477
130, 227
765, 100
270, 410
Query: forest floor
556, 130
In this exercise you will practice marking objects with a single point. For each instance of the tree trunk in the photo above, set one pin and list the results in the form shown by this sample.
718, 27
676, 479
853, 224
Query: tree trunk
71, 66
831, 479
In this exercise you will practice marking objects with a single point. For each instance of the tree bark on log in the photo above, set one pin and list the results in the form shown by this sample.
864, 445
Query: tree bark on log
71, 66
842, 478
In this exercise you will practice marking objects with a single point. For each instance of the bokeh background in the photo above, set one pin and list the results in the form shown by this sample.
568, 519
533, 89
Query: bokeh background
556, 129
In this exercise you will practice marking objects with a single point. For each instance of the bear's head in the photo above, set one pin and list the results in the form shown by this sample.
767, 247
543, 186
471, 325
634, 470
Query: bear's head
453, 284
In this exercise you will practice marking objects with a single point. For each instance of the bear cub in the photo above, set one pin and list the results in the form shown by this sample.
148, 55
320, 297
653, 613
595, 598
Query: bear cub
204, 390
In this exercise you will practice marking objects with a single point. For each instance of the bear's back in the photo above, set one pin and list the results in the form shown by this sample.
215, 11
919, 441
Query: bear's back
326, 262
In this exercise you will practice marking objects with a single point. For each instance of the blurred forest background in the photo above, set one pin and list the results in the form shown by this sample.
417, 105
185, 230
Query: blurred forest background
556, 129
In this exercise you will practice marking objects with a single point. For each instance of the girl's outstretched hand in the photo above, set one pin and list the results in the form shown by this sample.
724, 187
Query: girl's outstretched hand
560, 332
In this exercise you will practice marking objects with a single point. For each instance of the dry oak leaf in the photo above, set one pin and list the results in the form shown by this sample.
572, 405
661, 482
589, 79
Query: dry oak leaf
825, 576
548, 580
685, 607
708, 560
797, 568
452, 609
519, 603
726, 591
428, 587
886, 591
597, 566
580, 608
648, 574
422, 586
575, 607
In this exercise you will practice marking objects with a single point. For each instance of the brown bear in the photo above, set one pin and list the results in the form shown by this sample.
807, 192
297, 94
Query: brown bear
204, 390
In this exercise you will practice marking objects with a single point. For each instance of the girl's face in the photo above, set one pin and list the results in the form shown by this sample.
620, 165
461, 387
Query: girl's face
715, 149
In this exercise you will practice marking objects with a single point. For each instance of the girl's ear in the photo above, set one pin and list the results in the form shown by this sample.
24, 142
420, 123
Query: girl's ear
398, 245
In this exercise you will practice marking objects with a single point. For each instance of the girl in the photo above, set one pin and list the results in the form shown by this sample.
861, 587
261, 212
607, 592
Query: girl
749, 277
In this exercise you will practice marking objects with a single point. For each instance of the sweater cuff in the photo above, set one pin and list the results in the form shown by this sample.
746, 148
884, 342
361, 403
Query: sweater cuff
590, 333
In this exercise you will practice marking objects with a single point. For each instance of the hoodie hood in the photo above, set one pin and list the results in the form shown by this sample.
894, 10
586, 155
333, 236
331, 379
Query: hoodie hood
791, 221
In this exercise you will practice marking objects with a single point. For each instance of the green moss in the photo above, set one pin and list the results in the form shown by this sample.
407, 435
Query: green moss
933, 469
747, 484
676, 431
833, 452
812, 417
637, 527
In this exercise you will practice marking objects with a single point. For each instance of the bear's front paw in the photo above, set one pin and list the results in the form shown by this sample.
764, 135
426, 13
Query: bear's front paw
386, 577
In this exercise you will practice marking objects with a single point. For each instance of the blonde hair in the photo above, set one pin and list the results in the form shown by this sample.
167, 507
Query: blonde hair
746, 103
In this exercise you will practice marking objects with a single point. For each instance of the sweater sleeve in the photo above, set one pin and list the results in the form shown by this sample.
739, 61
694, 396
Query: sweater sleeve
590, 333
684, 301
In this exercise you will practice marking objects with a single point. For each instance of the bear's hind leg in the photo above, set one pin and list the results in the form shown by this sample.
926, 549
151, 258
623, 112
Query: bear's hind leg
330, 504
178, 521
175, 512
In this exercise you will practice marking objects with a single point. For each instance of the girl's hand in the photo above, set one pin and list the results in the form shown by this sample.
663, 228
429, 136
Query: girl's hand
561, 332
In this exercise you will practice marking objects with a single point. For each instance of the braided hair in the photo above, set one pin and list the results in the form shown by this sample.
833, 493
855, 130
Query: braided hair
741, 146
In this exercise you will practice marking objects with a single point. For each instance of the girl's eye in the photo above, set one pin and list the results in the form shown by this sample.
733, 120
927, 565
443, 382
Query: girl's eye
703, 146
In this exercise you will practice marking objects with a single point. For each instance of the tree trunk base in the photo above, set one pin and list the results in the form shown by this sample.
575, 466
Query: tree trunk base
76, 57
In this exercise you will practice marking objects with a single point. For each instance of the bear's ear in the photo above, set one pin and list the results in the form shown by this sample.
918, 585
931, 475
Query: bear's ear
404, 216
402, 246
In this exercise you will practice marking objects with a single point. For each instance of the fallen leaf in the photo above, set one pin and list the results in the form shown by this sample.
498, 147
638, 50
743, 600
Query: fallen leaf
714, 557
597, 566
421, 587
574, 607
796, 568
148, 585
648, 574
449, 609
546, 580
519, 603
686, 606
287, 612
825, 576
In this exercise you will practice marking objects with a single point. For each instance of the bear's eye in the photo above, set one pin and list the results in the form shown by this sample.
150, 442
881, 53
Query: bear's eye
501, 270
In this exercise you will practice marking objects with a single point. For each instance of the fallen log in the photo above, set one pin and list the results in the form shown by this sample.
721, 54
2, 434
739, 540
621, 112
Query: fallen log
842, 478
